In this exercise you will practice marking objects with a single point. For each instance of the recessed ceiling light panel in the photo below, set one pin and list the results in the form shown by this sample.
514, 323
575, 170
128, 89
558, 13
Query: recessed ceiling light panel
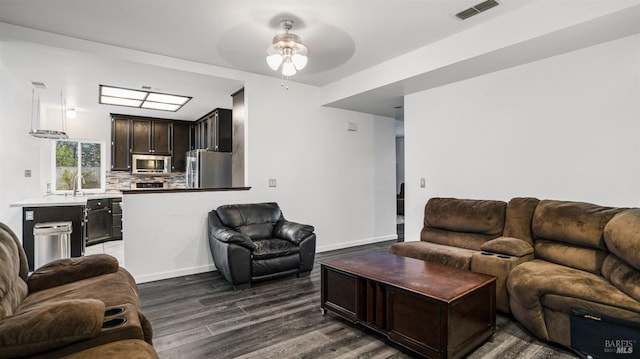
160, 106
173, 99
110, 95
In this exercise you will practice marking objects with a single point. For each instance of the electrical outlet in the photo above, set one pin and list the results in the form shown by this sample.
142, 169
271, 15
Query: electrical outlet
28, 215
272, 182
27, 173
422, 183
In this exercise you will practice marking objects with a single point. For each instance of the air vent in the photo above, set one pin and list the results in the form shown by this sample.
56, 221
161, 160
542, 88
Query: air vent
39, 85
476, 9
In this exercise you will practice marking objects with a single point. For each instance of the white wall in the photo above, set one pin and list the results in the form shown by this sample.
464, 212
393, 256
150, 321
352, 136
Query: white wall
339, 181
564, 128
18, 150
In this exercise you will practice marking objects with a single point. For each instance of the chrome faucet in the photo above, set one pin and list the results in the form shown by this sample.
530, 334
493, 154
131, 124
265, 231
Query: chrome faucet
75, 182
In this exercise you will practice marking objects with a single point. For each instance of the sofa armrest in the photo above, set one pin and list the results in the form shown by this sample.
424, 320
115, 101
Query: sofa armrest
49, 326
228, 235
292, 231
63, 271
509, 246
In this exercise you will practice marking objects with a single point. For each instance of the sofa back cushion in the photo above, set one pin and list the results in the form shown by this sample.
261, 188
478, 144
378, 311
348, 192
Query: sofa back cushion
464, 223
13, 288
622, 236
255, 220
517, 223
571, 233
622, 276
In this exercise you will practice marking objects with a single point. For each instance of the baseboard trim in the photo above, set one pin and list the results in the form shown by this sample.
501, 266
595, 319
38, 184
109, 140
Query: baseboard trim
173, 273
359, 242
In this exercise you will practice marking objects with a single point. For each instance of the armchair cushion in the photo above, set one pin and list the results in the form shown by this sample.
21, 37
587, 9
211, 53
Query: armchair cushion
292, 232
69, 270
274, 247
507, 245
49, 326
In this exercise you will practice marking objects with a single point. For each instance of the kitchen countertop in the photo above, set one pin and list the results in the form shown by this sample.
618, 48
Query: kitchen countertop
61, 200
182, 190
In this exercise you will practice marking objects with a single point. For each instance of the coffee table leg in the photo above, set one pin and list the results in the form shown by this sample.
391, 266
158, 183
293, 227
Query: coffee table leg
323, 312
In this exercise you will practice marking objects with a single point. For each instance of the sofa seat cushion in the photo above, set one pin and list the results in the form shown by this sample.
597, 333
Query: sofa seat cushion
436, 253
113, 289
273, 248
530, 282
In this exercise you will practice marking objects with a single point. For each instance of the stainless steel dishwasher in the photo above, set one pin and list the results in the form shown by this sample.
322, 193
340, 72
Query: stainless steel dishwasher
52, 241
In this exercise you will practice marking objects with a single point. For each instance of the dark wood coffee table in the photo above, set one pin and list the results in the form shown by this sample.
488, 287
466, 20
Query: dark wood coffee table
434, 310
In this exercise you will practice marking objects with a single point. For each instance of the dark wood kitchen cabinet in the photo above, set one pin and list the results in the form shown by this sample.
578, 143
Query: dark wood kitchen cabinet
150, 136
103, 220
147, 135
214, 130
181, 143
116, 218
120, 144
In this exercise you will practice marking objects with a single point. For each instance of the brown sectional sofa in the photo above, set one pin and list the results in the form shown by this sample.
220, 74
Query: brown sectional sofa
555, 261
76, 307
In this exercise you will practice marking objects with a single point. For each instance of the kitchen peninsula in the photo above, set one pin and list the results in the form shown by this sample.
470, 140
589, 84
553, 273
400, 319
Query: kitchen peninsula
166, 229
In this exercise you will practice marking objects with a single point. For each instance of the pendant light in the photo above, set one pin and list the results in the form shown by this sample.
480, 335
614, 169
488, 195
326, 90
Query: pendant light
35, 113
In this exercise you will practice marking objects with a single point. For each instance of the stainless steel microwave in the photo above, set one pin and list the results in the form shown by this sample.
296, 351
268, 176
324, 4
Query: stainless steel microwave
150, 164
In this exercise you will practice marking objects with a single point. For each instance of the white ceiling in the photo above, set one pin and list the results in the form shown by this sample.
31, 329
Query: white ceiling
345, 38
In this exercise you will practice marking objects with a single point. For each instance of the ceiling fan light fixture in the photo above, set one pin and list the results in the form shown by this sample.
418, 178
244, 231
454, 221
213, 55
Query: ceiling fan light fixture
288, 69
274, 61
299, 61
287, 50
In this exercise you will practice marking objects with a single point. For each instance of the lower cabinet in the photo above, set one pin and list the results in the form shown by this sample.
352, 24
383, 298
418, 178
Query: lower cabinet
116, 218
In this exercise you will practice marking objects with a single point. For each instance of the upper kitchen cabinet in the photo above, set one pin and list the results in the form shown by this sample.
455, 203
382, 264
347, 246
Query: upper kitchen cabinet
214, 131
120, 144
181, 143
146, 135
150, 136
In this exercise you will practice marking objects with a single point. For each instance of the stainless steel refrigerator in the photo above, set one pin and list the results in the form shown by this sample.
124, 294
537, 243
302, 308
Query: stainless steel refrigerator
208, 169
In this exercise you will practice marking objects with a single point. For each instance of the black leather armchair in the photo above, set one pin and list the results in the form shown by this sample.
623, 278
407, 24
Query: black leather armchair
251, 242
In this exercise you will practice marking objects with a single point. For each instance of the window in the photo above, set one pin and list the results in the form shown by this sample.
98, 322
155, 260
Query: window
71, 157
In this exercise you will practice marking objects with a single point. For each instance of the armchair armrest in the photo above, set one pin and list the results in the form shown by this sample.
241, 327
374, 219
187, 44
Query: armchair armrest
292, 231
228, 235
49, 326
63, 271
510, 246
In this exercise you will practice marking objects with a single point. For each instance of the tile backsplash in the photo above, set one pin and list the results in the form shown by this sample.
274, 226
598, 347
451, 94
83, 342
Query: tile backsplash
120, 180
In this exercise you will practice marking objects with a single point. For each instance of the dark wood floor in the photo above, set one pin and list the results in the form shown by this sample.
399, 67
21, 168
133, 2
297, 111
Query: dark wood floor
200, 316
